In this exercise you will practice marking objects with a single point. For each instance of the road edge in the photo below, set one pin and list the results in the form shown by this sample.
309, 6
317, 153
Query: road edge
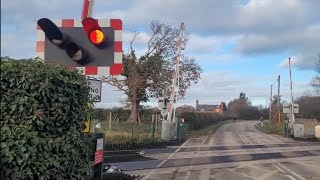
205, 141
261, 129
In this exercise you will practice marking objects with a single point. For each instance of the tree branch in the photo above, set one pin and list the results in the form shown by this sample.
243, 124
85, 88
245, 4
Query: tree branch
114, 81
136, 34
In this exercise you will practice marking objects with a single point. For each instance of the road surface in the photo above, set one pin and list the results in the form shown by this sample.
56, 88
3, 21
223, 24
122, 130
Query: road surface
236, 151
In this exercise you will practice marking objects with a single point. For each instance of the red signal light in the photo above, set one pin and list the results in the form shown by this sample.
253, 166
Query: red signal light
96, 37
93, 30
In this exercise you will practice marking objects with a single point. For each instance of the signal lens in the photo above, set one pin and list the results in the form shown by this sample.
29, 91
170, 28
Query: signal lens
75, 52
96, 37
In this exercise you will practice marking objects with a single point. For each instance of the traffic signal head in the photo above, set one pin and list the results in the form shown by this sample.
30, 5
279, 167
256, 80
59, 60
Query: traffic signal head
51, 31
94, 46
75, 52
93, 30
56, 37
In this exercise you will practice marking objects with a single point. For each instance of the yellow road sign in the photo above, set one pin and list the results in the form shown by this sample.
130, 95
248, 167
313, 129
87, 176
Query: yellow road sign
86, 128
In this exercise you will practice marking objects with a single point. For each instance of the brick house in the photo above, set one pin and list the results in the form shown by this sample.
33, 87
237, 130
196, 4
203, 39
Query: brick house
211, 108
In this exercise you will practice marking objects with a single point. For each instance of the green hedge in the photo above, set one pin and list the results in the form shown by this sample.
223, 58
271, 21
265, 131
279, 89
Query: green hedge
199, 120
43, 109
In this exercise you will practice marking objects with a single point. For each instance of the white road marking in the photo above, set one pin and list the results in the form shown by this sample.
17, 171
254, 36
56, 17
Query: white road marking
292, 172
284, 167
292, 178
146, 177
206, 137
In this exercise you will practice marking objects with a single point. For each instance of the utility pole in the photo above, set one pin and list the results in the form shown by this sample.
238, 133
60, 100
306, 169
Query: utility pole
292, 111
270, 103
266, 103
278, 99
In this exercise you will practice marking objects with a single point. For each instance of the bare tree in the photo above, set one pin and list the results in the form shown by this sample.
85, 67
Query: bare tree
309, 106
150, 74
316, 80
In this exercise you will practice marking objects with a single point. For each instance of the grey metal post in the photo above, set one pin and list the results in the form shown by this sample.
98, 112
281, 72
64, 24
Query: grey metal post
278, 100
270, 104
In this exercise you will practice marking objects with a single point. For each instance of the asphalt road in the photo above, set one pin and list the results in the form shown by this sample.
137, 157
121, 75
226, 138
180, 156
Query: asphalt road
236, 151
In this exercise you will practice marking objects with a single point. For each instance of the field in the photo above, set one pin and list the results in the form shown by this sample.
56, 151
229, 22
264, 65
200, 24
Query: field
124, 132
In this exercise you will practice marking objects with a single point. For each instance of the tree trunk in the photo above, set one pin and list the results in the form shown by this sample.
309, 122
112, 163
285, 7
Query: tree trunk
134, 115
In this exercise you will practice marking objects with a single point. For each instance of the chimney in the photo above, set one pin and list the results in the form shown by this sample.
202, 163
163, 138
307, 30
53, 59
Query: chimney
221, 106
197, 104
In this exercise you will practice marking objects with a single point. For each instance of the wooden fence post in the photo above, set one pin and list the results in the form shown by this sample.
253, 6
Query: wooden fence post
110, 119
156, 123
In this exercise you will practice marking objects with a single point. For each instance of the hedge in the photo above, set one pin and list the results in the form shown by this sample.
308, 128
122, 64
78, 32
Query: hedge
199, 120
43, 108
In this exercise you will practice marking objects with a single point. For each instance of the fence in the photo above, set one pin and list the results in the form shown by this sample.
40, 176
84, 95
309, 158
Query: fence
122, 132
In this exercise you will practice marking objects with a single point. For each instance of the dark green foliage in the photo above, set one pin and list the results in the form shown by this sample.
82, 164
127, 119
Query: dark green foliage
243, 109
199, 120
43, 109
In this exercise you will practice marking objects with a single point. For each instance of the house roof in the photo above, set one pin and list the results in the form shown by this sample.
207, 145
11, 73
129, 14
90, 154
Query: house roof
185, 107
207, 107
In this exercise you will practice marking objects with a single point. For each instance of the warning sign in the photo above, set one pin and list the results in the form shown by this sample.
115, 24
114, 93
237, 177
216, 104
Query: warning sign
99, 144
98, 155
95, 89
86, 128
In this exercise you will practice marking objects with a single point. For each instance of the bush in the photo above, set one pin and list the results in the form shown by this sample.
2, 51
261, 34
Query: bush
42, 117
199, 120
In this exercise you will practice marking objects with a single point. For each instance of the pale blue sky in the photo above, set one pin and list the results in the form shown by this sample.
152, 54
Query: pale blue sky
242, 45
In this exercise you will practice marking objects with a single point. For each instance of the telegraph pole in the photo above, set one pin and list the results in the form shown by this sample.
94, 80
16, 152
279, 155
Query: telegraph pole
292, 111
278, 100
270, 104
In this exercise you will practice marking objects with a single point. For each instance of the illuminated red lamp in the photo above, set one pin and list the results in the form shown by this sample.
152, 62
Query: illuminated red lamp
96, 37
93, 31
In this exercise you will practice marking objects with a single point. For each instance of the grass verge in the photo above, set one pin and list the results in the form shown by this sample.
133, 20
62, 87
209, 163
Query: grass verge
131, 132
270, 128
205, 131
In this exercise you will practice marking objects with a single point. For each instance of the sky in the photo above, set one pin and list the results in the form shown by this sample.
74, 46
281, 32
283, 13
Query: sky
242, 45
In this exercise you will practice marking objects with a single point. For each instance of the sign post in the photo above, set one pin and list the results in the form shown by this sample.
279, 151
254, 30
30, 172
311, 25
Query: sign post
290, 111
97, 159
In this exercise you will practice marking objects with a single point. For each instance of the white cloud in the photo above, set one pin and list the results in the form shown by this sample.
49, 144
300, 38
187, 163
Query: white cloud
215, 87
257, 27
110, 97
300, 61
141, 39
202, 44
17, 46
265, 26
